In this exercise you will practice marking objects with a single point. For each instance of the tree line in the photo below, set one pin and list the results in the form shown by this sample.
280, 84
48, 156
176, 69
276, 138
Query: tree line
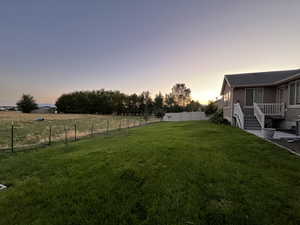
115, 102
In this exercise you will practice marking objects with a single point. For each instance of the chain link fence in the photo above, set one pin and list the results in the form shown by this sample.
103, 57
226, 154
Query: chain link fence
24, 135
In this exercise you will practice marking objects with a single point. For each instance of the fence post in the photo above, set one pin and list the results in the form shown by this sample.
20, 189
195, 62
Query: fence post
120, 125
127, 120
107, 126
50, 134
12, 136
66, 137
92, 130
75, 130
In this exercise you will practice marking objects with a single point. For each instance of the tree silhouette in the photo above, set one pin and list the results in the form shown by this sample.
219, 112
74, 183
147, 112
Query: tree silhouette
27, 104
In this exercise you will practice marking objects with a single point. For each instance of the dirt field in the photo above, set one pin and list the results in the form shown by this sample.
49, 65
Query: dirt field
27, 131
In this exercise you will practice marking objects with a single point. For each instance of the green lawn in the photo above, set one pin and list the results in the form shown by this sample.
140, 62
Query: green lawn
166, 173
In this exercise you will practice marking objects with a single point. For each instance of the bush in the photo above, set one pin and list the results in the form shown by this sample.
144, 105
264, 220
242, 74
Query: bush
211, 108
159, 113
218, 118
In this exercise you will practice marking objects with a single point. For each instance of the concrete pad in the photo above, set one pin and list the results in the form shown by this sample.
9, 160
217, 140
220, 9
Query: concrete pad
277, 135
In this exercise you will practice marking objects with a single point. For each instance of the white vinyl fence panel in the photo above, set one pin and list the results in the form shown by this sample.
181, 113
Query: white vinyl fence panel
185, 116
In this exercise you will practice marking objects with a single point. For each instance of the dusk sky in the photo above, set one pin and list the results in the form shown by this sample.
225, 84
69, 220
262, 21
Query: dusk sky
50, 47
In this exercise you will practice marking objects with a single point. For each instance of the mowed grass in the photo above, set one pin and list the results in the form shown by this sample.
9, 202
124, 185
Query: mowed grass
165, 173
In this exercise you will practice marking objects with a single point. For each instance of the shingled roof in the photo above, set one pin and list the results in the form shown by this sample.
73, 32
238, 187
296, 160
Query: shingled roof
260, 78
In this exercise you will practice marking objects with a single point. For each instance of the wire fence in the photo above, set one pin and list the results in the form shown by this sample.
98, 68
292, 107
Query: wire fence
27, 135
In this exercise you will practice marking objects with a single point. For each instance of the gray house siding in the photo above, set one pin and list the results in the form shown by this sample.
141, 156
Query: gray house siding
270, 94
268, 97
239, 96
227, 108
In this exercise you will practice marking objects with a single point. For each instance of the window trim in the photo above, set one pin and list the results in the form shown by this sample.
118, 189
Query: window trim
297, 82
289, 94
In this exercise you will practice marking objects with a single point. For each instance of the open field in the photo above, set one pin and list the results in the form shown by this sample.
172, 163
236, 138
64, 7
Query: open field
164, 173
17, 116
28, 132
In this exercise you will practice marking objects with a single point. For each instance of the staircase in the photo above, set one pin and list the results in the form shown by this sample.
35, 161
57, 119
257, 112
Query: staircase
251, 123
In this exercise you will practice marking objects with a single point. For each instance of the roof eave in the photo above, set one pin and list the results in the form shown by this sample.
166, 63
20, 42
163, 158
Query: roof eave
287, 79
269, 84
225, 80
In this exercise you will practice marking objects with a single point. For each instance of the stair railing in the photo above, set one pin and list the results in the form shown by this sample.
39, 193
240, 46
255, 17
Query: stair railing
260, 116
239, 115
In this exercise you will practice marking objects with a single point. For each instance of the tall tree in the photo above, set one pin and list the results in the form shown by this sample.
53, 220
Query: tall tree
27, 104
133, 104
181, 94
145, 104
158, 106
158, 101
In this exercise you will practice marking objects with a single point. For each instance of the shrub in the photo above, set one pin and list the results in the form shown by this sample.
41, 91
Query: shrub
159, 113
211, 108
218, 118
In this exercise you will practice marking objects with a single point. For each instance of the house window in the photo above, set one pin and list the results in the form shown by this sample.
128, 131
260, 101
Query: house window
254, 95
280, 95
226, 98
249, 96
258, 95
294, 98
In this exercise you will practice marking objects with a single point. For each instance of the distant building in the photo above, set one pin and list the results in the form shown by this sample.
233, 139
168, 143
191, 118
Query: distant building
45, 110
8, 108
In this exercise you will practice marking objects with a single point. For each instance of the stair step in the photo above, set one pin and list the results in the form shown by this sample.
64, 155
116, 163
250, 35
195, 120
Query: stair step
253, 128
250, 119
252, 124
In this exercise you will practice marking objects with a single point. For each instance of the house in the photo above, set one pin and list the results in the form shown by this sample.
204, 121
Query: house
264, 99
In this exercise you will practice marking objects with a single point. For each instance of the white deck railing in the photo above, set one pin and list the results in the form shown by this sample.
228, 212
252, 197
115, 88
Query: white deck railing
238, 113
272, 109
260, 116
261, 110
